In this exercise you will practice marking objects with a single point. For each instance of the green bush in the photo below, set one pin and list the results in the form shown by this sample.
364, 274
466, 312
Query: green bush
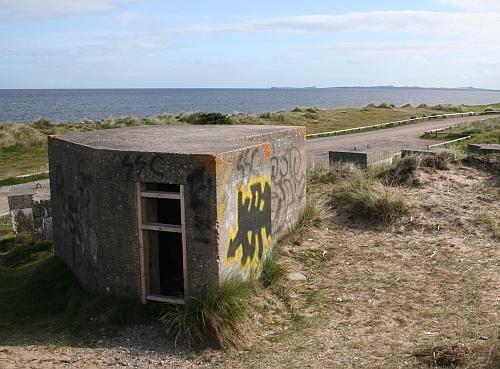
213, 318
359, 198
205, 118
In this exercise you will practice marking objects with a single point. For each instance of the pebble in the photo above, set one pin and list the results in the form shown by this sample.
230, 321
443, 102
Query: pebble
298, 277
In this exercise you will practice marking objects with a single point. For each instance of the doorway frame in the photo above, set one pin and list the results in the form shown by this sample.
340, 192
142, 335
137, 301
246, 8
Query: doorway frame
144, 227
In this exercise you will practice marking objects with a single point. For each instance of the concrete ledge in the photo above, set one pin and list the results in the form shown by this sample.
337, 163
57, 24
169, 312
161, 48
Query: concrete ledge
483, 149
417, 151
362, 158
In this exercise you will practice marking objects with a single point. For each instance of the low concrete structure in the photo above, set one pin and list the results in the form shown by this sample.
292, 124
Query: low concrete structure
30, 209
160, 212
363, 158
417, 151
483, 149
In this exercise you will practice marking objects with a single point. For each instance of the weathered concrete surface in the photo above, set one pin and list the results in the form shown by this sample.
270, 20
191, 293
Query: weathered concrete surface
30, 209
417, 151
362, 159
392, 139
483, 149
244, 186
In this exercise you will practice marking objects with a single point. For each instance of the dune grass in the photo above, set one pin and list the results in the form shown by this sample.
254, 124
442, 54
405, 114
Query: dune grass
359, 197
215, 317
23, 147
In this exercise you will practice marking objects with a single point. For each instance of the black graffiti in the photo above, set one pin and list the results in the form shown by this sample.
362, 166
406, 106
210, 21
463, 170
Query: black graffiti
254, 216
75, 198
198, 186
136, 165
289, 186
246, 162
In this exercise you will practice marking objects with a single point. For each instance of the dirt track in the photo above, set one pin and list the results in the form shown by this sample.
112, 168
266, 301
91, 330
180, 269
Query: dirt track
389, 139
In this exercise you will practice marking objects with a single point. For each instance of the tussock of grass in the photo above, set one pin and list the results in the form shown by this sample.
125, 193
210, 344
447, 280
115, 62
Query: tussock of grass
332, 173
272, 271
401, 173
213, 318
315, 214
20, 135
358, 197
274, 116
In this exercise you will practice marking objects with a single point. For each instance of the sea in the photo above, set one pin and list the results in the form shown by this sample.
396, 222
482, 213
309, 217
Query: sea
74, 105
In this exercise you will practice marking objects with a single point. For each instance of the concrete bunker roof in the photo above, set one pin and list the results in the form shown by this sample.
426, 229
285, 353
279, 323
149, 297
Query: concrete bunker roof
178, 139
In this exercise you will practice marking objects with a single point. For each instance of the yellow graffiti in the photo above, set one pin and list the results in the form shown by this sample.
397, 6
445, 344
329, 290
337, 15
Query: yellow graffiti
250, 238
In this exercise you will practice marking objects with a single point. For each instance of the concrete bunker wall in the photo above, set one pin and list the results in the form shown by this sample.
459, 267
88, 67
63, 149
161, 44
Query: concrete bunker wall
95, 212
236, 204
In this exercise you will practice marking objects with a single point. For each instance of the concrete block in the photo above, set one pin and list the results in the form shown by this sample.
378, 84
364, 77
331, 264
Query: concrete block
30, 209
240, 189
362, 158
483, 149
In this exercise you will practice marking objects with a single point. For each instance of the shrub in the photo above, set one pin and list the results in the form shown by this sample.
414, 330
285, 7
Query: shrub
213, 318
422, 106
385, 105
359, 198
205, 118
314, 109
297, 110
272, 271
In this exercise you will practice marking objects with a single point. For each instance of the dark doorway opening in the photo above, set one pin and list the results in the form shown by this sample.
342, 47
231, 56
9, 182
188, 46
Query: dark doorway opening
162, 220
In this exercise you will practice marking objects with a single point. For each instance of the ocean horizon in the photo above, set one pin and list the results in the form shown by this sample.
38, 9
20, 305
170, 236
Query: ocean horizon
64, 105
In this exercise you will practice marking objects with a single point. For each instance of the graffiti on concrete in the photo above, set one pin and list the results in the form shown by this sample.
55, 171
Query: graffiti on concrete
198, 185
75, 201
251, 234
289, 186
246, 162
138, 164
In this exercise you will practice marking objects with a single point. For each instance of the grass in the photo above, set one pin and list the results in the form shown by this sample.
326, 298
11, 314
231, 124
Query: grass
41, 301
361, 200
272, 271
485, 132
492, 224
23, 147
215, 317
314, 215
332, 173
25, 179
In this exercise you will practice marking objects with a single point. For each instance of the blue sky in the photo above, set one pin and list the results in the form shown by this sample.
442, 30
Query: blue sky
153, 43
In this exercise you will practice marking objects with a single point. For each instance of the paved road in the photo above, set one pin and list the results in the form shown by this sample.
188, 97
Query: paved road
389, 139
392, 139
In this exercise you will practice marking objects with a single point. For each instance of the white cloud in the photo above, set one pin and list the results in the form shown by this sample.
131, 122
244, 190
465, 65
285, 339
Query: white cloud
56, 8
467, 25
473, 4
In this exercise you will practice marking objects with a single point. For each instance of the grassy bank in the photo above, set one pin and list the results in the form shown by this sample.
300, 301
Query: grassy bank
23, 148
486, 132
41, 301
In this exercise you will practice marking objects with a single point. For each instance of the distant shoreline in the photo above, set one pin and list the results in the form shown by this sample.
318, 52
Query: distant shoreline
71, 105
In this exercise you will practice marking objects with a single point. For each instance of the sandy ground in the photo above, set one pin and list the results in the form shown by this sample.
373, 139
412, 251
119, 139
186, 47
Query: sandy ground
374, 295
